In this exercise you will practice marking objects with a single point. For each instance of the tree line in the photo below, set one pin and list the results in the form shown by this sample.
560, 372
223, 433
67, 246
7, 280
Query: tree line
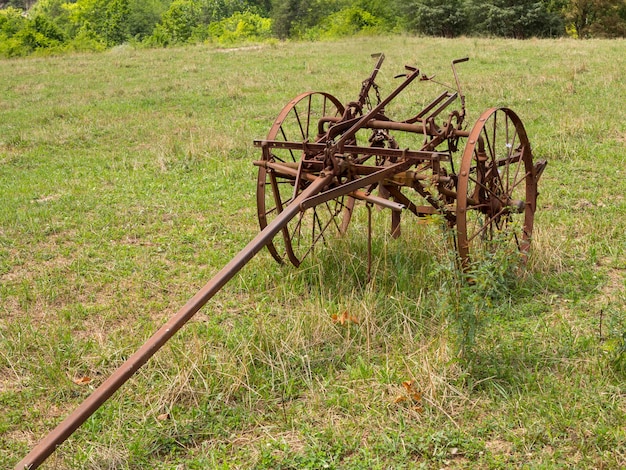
54, 26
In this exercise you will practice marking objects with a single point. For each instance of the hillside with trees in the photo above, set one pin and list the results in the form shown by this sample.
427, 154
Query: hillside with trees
56, 26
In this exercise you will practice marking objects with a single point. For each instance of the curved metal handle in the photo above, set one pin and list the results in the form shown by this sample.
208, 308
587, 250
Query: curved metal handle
458, 84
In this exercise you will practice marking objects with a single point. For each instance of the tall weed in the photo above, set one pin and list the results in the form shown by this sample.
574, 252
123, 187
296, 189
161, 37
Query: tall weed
472, 296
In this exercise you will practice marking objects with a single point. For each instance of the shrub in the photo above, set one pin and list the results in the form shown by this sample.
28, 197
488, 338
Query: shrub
345, 22
11, 21
240, 27
21, 36
177, 24
86, 40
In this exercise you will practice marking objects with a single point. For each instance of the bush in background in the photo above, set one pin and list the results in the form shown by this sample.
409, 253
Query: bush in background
448, 18
346, 22
240, 27
50, 26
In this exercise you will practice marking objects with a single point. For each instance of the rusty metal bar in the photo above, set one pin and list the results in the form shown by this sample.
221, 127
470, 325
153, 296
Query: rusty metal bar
443, 106
346, 188
420, 116
349, 134
57, 436
425, 155
396, 126
287, 169
403, 126
369, 82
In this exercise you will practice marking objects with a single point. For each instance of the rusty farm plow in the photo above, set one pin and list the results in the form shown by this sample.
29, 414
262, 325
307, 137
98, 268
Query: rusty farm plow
322, 156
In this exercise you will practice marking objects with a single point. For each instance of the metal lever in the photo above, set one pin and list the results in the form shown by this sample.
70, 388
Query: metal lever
458, 84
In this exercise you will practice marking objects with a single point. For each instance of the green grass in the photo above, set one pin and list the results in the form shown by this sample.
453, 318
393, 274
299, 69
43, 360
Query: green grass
126, 182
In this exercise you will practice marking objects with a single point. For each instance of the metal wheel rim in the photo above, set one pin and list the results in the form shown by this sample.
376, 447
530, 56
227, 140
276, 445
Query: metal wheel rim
513, 178
272, 186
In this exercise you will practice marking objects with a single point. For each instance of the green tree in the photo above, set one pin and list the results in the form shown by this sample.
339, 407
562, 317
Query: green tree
116, 22
144, 15
284, 14
515, 18
595, 18
293, 17
611, 19
55, 11
260, 7
106, 19
446, 18
580, 14
11, 21
178, 22
388, 12
21, 35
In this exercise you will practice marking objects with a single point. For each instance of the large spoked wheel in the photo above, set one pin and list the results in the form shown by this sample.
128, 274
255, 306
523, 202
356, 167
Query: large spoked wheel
303, 119
497, 190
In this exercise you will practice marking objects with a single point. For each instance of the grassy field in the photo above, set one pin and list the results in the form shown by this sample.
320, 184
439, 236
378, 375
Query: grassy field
126, 182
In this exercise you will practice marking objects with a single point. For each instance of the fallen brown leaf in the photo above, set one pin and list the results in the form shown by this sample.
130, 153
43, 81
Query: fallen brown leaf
81, 380
344, 318
413, 394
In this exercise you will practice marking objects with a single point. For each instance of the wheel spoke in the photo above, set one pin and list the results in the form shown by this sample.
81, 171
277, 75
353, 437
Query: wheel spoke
308, 120
519, 165
511, 146
487, 224
486, 188
293, 158
520, 181
297, 116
